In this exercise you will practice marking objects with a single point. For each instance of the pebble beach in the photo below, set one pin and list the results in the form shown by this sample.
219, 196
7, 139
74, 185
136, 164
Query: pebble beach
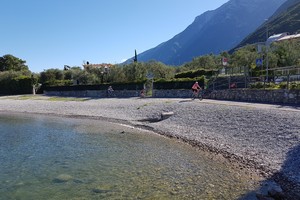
263, 138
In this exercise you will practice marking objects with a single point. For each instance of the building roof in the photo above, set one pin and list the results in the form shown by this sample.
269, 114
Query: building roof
281, 37
275, 38
289, 37
102, 65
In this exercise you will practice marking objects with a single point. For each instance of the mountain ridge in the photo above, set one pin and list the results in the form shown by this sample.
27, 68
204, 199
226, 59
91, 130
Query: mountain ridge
285, 19
213, 31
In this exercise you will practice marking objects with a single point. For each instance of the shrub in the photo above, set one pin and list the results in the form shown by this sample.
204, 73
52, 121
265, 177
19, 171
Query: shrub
115, 86
53, 83
12, 85
182, 83
257, 85
283, 85
195, 73
295, 86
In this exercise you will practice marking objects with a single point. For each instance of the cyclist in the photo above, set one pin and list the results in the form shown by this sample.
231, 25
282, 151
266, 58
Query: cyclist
110, 91
196, 89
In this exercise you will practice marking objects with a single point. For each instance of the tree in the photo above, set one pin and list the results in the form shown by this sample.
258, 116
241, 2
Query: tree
287, 52
10, 63
204, 62
159, 70
244, 57
85, 78
134, 72
71, 73
51, 75
116, 74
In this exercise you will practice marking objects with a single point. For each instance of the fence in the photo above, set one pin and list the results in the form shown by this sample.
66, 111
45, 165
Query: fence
124, 90
232, 82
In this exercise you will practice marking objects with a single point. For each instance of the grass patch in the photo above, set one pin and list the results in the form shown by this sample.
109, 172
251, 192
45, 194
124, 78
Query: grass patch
26, 97
42, 97
23, 97
67, 99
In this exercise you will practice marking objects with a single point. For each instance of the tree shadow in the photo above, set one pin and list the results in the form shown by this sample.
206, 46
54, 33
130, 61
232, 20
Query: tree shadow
186, 100
297, 107
283, 185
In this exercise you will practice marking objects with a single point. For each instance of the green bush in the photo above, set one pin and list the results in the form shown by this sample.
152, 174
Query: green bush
195, 73
283, 85
15, 85
295, 86
115, 86
54, 83
262, 85
182, 83
257, 85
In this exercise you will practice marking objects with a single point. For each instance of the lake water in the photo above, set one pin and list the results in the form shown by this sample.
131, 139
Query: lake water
53, 158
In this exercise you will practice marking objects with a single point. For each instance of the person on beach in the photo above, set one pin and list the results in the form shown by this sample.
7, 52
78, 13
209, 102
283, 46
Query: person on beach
196, 88
142, 93
110, 91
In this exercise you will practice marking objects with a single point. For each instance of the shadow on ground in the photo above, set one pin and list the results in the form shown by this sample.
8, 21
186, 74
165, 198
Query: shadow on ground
283, 185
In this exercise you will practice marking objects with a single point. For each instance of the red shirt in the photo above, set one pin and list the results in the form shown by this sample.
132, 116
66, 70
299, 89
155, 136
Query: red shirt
196, 86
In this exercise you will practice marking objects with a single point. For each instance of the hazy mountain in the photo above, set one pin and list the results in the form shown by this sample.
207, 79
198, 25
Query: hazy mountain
285, 19
213, 31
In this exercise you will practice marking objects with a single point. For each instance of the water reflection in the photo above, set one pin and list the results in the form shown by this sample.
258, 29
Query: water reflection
58, 158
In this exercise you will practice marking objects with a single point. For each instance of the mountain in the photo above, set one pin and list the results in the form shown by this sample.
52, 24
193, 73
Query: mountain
285, 19
213, 31
285, 6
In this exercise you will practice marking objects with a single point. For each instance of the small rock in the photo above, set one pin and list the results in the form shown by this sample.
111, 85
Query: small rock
276, 193
262, 197
102, 189
62, 178
97, 190
165, 115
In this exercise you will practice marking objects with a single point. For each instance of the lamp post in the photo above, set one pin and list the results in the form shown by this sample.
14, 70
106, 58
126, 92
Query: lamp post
102, 76
267, 49
104, 72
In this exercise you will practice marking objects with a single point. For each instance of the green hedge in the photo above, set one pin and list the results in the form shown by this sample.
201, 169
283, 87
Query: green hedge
195, 73
115, 86
295, 86
282, 85
14, 86
184, 83
55, 83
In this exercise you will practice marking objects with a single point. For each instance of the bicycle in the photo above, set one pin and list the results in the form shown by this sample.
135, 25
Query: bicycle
111, 93
197, 95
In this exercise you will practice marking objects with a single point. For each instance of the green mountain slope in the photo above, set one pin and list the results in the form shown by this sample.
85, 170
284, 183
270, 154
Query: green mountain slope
285, 19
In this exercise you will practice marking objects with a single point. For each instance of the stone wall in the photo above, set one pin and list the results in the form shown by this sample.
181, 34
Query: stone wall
172, 93
261, 96
94, 93
247, 95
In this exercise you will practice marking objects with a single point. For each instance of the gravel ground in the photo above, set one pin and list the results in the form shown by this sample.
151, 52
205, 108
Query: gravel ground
261, 137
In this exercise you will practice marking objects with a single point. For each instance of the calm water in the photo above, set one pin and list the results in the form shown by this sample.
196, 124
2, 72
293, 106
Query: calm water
57, 158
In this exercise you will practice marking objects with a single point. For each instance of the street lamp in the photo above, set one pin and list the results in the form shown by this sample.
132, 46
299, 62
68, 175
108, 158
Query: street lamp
267, 59
104, 72
102, 76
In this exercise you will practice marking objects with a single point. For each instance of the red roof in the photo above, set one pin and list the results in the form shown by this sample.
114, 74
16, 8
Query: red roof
98, 65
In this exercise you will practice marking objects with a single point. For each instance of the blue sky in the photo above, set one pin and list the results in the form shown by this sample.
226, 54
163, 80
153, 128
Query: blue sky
53, 33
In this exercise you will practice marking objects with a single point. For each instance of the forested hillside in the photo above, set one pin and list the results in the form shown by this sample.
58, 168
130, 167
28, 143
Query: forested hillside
285, 19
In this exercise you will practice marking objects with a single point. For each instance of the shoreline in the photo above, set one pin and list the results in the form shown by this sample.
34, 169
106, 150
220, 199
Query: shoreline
215, 134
